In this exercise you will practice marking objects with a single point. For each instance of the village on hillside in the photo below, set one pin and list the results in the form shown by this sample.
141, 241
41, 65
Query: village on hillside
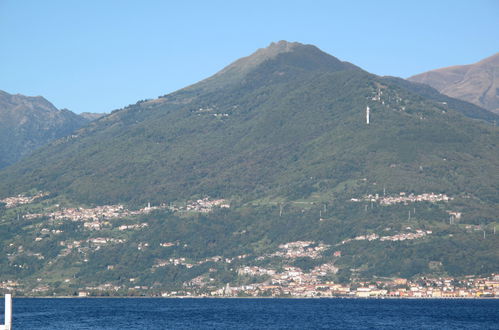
93, 217
403, 198
285, 281
268, 274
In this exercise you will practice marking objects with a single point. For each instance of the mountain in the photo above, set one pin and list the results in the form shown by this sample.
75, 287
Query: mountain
27, 123
298, 57
477, 83
263, 126
269, 166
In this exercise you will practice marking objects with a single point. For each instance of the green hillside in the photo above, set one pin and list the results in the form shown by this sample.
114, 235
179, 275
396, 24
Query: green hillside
288, 127
282, 136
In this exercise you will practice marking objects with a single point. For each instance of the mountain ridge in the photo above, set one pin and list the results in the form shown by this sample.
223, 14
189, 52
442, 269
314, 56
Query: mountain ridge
30, 122
263, 114
477, 83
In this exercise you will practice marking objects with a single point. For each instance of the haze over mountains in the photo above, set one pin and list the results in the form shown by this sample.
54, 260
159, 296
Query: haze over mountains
27, 123
477, 83
281, 139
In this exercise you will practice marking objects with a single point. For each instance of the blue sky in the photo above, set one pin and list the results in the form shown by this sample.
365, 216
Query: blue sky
101, 55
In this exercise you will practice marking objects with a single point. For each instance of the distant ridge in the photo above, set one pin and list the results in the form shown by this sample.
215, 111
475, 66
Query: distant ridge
476, 83
29, 122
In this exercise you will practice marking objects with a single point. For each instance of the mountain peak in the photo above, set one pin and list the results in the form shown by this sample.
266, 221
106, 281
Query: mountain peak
280, 56
276, 48
19, 103
245, 64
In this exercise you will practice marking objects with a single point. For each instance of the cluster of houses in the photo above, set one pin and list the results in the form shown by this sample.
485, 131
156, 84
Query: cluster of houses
45, 232
134, 226
105, 287
211, 109
393, 101
21, 199
419, 233
9, 285
298, 249
204, 205
295, 283
403, 198
83, 246
289, 281
96, 218
189, 264
86, 214
292, 281
99, 241
467, 287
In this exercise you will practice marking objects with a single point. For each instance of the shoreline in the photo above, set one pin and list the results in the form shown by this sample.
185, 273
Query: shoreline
303, 298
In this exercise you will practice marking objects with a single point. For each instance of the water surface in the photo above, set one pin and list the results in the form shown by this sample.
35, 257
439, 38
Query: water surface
157, 313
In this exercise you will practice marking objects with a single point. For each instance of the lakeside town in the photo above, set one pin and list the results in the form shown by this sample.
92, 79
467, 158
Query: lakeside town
271, 274
272, 281
293, 283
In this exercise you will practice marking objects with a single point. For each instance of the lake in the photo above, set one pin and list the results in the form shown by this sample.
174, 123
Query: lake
158, 313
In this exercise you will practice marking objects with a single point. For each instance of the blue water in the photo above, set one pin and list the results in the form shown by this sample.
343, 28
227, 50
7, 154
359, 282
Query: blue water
151, 313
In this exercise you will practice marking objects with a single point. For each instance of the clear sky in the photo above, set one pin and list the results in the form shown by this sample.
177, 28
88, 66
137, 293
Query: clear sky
101, 55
